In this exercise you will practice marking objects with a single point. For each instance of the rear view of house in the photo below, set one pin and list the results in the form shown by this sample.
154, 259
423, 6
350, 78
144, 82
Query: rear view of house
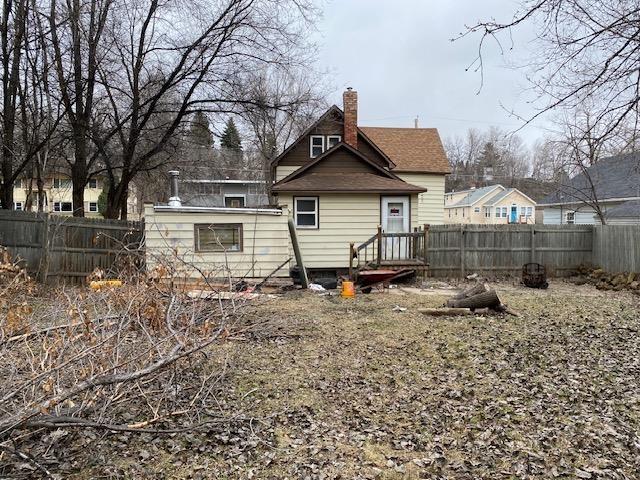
341, 181
340, 184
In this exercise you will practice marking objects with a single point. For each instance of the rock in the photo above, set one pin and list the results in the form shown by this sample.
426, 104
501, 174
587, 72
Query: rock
619, 279
597, 273
631, 277
634, 285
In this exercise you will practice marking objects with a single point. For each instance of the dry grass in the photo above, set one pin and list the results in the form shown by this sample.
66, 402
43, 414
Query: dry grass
351, 389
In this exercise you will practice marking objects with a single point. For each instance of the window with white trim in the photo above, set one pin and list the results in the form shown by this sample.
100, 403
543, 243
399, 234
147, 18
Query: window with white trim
306, 212
529, 212
93, 206
316, 145
570, 218
505, 212
487, 212
62, 207
234, 201
333, 140
18, 206
476, 209
93, 183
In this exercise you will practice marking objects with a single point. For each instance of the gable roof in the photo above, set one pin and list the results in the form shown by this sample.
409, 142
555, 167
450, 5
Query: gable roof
474, 195
612, 177
337, 111
411, 149
378, 180
630, 208
505, 193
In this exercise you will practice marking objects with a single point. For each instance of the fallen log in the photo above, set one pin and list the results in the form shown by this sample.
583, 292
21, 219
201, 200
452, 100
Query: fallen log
487, 299
451, 312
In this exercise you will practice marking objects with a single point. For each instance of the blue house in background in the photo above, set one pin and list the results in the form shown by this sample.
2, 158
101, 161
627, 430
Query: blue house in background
613, 184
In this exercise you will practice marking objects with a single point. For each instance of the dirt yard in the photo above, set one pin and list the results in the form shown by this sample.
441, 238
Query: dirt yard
352, 389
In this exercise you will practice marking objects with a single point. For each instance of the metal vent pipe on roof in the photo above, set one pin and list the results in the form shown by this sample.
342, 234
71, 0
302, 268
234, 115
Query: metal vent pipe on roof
174, 199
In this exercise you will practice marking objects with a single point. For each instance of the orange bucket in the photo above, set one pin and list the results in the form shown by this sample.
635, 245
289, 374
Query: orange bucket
348, 289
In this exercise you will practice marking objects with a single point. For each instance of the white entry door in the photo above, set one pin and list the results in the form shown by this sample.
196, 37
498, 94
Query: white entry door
395, 219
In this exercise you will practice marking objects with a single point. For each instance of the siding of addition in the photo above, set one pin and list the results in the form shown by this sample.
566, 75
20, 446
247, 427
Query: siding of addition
557, 216
343, 218
431, 203
265, 242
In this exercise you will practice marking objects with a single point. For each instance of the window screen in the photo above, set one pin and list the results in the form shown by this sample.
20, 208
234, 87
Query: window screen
219, 237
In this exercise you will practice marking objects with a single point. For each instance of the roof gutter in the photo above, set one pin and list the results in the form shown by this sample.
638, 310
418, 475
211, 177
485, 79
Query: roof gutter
187, 209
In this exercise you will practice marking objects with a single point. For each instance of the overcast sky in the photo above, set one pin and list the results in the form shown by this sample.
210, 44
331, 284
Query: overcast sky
399, 57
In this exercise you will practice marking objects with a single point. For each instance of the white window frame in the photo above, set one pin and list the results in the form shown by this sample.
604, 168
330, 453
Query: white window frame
96, 207
498, 212
529, 212
92, 180
487, 212
573, 217
239, 227
18, 206
311, 146
505, 212
329, 137
316, 212
57, 207
476, 209
235, 195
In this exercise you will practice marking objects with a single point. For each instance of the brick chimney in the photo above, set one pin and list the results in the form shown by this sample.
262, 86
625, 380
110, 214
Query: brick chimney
350, 108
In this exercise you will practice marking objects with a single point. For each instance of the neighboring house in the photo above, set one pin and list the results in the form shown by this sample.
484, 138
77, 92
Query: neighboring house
612, 185
224, 193
337, 182
493, 204
58, 198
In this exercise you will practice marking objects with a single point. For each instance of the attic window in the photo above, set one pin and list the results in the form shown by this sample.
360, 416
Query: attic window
333, 140
316, 145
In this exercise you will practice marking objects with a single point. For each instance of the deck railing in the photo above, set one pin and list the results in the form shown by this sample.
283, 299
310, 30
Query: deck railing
390, 248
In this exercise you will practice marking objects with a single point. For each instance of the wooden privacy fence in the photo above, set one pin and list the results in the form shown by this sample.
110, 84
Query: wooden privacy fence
459, 250
616, 248
60, 249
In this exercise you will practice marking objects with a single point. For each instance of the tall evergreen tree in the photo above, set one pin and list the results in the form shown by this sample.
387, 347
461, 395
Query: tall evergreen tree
230, 139
199, 133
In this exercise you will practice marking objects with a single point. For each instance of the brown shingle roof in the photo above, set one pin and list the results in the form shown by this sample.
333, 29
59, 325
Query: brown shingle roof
346, 182
411, 149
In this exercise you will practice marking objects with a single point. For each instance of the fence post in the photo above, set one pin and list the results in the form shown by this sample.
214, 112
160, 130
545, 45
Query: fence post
533, 244
379, 245
462, 269
425, 246
43, 269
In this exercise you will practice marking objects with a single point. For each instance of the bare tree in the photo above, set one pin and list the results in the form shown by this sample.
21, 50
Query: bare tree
587, 52
159, 74
76, 38
12, 45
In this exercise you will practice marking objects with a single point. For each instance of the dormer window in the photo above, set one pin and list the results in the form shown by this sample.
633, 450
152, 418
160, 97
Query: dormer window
333, 140
316, 145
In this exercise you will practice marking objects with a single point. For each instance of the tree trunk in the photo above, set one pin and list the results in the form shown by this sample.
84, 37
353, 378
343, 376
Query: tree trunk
79, 180
486, 299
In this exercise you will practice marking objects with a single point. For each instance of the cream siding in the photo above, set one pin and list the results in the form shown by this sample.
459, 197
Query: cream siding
431, 203
343, 218
285, 170
265, 242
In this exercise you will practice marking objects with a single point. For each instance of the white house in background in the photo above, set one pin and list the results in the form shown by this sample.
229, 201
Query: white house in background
613, 184
489, 205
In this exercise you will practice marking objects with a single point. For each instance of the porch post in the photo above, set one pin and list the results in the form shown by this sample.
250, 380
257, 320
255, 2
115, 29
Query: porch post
351, 261
379, 245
